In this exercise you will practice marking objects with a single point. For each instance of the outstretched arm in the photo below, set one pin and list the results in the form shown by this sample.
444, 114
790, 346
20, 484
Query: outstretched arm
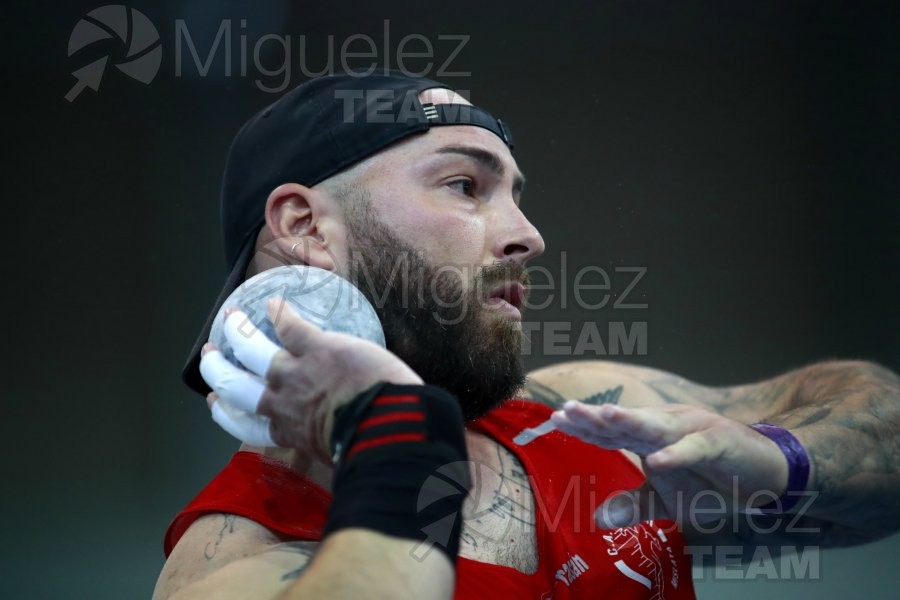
693, 438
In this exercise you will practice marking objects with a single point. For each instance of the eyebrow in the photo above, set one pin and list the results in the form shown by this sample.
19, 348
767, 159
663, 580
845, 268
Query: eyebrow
486, 159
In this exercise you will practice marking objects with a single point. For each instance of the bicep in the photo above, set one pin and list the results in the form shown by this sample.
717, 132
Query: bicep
604, 382
633, 386
264, 575
221, 553
591, 382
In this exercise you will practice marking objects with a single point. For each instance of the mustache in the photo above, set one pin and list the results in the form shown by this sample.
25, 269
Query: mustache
501, 272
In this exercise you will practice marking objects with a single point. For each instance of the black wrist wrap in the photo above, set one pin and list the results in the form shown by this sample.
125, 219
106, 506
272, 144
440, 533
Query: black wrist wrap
401, 466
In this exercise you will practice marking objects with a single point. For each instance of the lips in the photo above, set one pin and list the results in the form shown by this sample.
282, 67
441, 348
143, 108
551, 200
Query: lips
511, 294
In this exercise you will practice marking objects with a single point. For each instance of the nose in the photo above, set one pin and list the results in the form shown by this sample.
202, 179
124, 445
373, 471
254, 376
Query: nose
519, 240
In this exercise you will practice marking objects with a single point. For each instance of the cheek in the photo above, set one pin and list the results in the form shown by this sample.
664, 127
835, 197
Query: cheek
451, 234
448, 238
455, 240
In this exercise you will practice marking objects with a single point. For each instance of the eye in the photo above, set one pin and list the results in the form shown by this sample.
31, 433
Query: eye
463, 186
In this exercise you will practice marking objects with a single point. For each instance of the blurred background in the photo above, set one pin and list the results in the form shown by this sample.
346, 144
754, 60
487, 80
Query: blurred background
743, 155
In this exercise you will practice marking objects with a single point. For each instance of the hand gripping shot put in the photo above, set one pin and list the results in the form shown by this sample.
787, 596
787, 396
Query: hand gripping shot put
244, 342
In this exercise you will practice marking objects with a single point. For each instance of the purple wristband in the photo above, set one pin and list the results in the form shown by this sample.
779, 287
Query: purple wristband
798, 467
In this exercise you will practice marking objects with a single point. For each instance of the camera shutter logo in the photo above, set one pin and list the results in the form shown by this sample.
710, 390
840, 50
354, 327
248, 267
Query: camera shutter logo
142, 53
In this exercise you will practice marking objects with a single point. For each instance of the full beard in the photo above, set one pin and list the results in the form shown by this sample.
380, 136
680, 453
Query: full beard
442, 332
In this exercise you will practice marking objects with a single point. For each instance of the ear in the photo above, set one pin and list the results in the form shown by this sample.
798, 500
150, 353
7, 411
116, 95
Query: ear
296, 215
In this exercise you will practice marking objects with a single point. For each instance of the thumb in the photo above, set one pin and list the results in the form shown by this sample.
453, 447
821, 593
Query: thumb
629, 507
295, 333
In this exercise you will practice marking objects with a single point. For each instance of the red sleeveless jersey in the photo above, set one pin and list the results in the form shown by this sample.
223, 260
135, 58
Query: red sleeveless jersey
569, 479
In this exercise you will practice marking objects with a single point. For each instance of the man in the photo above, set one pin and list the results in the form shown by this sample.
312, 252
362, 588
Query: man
363, 495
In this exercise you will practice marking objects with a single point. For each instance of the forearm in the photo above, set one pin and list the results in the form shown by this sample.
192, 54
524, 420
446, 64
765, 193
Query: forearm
847, 415
360, 564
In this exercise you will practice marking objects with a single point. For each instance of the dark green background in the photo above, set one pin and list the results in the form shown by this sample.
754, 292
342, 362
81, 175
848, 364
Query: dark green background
745, 153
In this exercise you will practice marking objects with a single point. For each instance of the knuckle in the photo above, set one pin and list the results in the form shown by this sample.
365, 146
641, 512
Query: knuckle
277, 433
278, 366
267, 404
700, 441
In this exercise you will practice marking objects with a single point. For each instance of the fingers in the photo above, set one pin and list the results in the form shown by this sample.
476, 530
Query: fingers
251, 347
249, 428
295, 333
237, 387
691, 450
613, 427
640, 430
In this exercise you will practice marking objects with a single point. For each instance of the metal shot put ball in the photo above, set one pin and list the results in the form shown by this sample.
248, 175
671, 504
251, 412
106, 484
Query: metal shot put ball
321, 297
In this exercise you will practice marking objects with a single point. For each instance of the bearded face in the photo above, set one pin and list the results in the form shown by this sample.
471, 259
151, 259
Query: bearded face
434, 317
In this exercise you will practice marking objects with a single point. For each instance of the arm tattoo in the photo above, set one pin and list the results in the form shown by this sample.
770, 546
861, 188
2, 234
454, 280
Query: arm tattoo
541, 393
545, 395
849, 417
209, 552
610, 396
